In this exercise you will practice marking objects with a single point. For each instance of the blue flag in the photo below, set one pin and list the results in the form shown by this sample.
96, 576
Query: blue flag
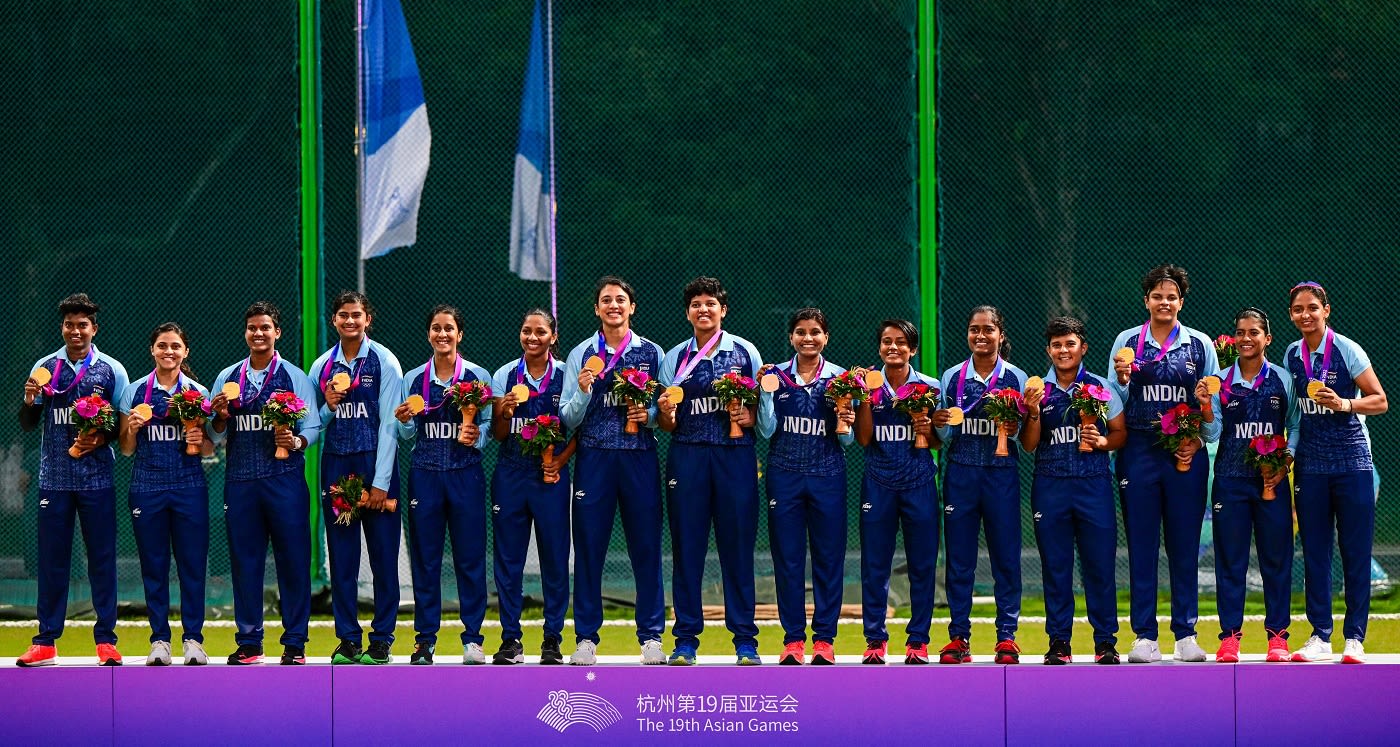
532, 205
397, 138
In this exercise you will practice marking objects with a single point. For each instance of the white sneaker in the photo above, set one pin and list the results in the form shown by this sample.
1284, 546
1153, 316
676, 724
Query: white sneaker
194, 652
1354, 653
1187, 649
586, 654
160, 654
472, 654
1144, 651
652, 653
1315, 649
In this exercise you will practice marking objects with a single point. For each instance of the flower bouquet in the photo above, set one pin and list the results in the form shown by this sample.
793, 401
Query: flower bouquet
1226, 351
282, 411
842, 390
467, 396
635, 387
346, 496
1270, 454
916, 398
91, 414
192, 409
538, 436
1005, 408
1179, 425
1091, 402
736, 390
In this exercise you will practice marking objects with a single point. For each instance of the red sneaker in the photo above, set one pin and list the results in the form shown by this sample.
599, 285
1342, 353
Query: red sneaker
38, 656
874, 652
916, 653
1229, 651
956, 652
1008, 652
793, 653
108, 656
822, 653
1278, 648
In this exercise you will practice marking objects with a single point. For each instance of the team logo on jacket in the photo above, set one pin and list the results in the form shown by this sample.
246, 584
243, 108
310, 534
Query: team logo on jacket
367, 380
136, 512
1275, 403
578, 495
413, 503
1217, 507
948, 509
1191, 367
1036, 516
671, 483
865, 508
772, 502
565, 709
495, 509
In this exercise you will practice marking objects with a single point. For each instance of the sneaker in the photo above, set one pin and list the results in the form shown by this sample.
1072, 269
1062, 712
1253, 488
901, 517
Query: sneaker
823, 653
550, 654
293, 656
794, 653
1058, 653
422, 654
747, 655
682, 656
1229, 651
956, 652
1105, 653
585, 654
1144, 651
1007, 652
247, 653
472, 654
194, 653
1187, 649
916, 653
38, 656
348, 652
377, 653
874, 652
108, 656
160, 654
1278, 648
652, 653
1315, 649
510, 652
1354, 653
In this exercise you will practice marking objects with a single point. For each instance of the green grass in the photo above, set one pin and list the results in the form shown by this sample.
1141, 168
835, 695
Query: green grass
1383, 636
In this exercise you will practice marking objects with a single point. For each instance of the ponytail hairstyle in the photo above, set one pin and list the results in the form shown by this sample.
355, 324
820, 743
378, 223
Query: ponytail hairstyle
1000, 321
173, 327
553, 327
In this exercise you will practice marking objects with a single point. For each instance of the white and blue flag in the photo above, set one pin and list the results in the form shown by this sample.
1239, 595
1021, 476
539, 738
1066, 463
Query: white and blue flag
397, 138
532, 206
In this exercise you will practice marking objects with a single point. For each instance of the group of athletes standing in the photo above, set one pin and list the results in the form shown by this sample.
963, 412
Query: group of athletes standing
711, 481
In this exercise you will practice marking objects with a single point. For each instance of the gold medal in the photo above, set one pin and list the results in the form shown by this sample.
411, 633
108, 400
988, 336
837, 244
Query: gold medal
955, 416
143, 410
415, 403
340, 382
675, 394
231, 391
1125, 354
874, 380
1035, 382
1212, 385
41, 376
769, 382
1314, 387
521, 393
594, 364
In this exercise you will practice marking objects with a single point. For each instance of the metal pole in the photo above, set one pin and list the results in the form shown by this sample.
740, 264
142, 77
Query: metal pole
553, 183
309, 83
927, 82
359, 142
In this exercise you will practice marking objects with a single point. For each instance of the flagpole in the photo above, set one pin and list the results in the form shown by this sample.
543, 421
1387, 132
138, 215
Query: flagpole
359, 142
553, 183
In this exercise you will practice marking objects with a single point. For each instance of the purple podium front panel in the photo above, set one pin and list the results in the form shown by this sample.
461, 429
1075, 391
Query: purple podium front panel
667, 705
1137, 704
1318, 704
218, 704
56, 705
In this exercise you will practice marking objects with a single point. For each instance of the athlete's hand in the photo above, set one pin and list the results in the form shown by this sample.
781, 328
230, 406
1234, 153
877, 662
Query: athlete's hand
1089, 434
1187, 449
31, 391
940, 418
507, 404
551, 472
846, 415
472, 432
1276, 478
637, 414
285, 438
744, 417
665, 405
334, 396
375, 499
134, 422
194, 435
1123, 369
1033, 398
585, 381
403, 413
923, 425
1202, 394
220, 405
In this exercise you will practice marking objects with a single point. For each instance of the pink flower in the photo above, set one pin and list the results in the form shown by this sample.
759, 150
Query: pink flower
1169, 423
87, 408
206, 407
637, 378
545, 420
1097, 392
529, 431
904, 391
1264, 445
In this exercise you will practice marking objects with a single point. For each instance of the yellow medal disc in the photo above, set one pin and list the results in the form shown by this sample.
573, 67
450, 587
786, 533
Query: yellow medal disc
340, 382
675, 394
415, 403
594, 364
41, 376
231, 390
521, 393
1035, 382
142, 409
1125, 354
955, 416
1212, 384
874, 380
769, 382
1314, 387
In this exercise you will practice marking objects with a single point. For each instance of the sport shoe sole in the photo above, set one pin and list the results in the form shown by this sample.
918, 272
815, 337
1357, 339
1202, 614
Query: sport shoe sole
40, 663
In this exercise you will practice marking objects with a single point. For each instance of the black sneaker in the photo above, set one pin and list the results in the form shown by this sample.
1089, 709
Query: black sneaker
510, 652
347, 653
549, 652
378, 653
1059, 653
247, 653
422, 654
293, 655
1105, 653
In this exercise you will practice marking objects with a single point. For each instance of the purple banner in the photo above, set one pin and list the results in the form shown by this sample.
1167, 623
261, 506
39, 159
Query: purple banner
56, 705
217, 704
1317, 704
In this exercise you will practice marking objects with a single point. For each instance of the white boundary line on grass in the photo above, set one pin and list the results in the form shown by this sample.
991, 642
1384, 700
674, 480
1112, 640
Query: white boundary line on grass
1029, 619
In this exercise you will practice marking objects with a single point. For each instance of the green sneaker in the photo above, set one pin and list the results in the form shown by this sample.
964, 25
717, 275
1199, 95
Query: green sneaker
378, 653
346, 653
